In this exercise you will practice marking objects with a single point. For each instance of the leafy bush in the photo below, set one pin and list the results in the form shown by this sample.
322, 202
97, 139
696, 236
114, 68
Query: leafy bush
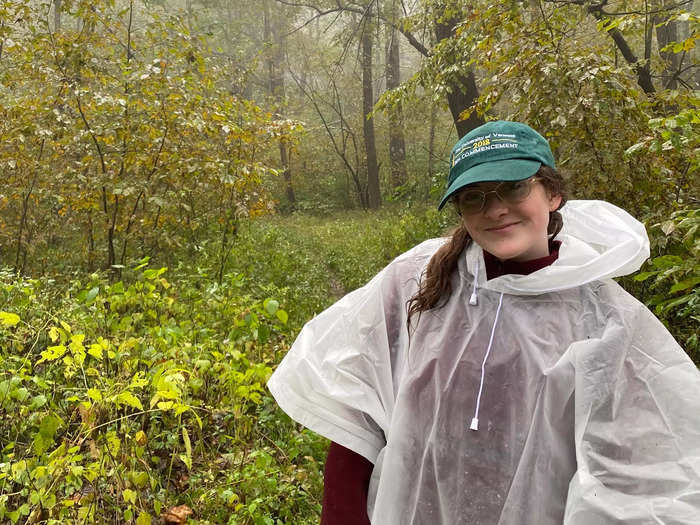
132, 398
673, 276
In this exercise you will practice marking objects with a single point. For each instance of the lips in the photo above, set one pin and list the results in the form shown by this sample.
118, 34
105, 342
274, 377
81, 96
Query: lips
501, 228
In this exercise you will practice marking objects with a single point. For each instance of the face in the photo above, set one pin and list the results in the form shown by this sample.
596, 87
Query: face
512, 230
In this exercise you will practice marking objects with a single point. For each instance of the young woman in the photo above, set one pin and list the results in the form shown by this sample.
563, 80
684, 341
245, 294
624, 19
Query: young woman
501, 376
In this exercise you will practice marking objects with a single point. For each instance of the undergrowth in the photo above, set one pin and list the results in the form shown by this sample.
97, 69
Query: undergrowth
126, 401
133, 400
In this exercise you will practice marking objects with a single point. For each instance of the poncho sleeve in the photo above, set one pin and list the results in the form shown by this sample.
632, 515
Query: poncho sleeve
337, 377
637, 428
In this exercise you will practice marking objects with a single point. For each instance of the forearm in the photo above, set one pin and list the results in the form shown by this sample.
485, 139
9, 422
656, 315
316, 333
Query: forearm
345, 487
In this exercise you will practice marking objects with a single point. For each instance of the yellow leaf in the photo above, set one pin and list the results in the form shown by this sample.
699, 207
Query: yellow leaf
129, 496
52, 353
143, 519
77, 348
95, 351
94, 394
140, 437
9, 319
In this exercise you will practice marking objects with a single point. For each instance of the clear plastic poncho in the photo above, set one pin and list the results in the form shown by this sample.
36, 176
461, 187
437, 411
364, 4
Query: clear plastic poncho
586, 410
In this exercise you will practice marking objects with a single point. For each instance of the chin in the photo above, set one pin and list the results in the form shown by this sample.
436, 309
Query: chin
505, 254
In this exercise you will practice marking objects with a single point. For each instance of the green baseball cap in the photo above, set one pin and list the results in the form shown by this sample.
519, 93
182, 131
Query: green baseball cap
496, 151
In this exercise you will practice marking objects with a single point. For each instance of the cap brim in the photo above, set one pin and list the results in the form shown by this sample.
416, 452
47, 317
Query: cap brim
494, 171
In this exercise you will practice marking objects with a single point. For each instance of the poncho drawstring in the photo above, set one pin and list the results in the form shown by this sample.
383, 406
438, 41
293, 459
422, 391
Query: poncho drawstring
475, 419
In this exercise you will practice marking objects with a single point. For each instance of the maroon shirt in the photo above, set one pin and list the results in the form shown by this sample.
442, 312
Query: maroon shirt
347, 473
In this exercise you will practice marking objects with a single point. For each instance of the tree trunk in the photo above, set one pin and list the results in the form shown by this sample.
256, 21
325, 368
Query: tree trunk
464, 91
641, 67
397, 145
431, 140
276, 39
373, 192
190, 15
667, 32
56, 15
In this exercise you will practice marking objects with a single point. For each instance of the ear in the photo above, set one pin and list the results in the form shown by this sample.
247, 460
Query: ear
554, 202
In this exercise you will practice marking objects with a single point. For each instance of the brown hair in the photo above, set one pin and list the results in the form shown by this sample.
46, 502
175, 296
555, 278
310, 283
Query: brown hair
435, 282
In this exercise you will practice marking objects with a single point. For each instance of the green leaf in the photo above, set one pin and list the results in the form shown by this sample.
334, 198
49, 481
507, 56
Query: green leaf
127, 398
685, 284
644, 276
143, 519
271, 306
113, 443
666, 261
673, 303
187, 459
129, 496
668, 226
282, 316
18, 469
48, 501
38, 401
47, 430
90, 297
141, 479
633, 148
142, 263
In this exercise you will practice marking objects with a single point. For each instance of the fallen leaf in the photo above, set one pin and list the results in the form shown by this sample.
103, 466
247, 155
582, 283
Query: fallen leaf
176, 515
94, 450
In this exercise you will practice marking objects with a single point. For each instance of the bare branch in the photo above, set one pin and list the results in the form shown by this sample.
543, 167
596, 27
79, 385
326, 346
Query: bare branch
361, 10
619, 13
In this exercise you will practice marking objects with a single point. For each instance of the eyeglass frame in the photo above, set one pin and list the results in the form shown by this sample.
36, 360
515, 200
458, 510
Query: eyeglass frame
530, 180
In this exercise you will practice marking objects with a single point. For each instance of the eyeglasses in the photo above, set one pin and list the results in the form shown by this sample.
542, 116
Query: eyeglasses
470, 202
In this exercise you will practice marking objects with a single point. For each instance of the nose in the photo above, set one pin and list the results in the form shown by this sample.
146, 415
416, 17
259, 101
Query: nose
494, 206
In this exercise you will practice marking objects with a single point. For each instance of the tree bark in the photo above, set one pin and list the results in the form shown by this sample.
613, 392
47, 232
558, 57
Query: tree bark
56, 15
274, 34
373, 192
464, 91
431, 140
667, 32
397, 144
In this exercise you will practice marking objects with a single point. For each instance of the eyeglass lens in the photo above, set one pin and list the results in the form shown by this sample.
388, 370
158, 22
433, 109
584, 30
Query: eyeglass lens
472, 201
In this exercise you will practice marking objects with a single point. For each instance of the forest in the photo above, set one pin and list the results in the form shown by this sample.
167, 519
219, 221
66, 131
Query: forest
185, 183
